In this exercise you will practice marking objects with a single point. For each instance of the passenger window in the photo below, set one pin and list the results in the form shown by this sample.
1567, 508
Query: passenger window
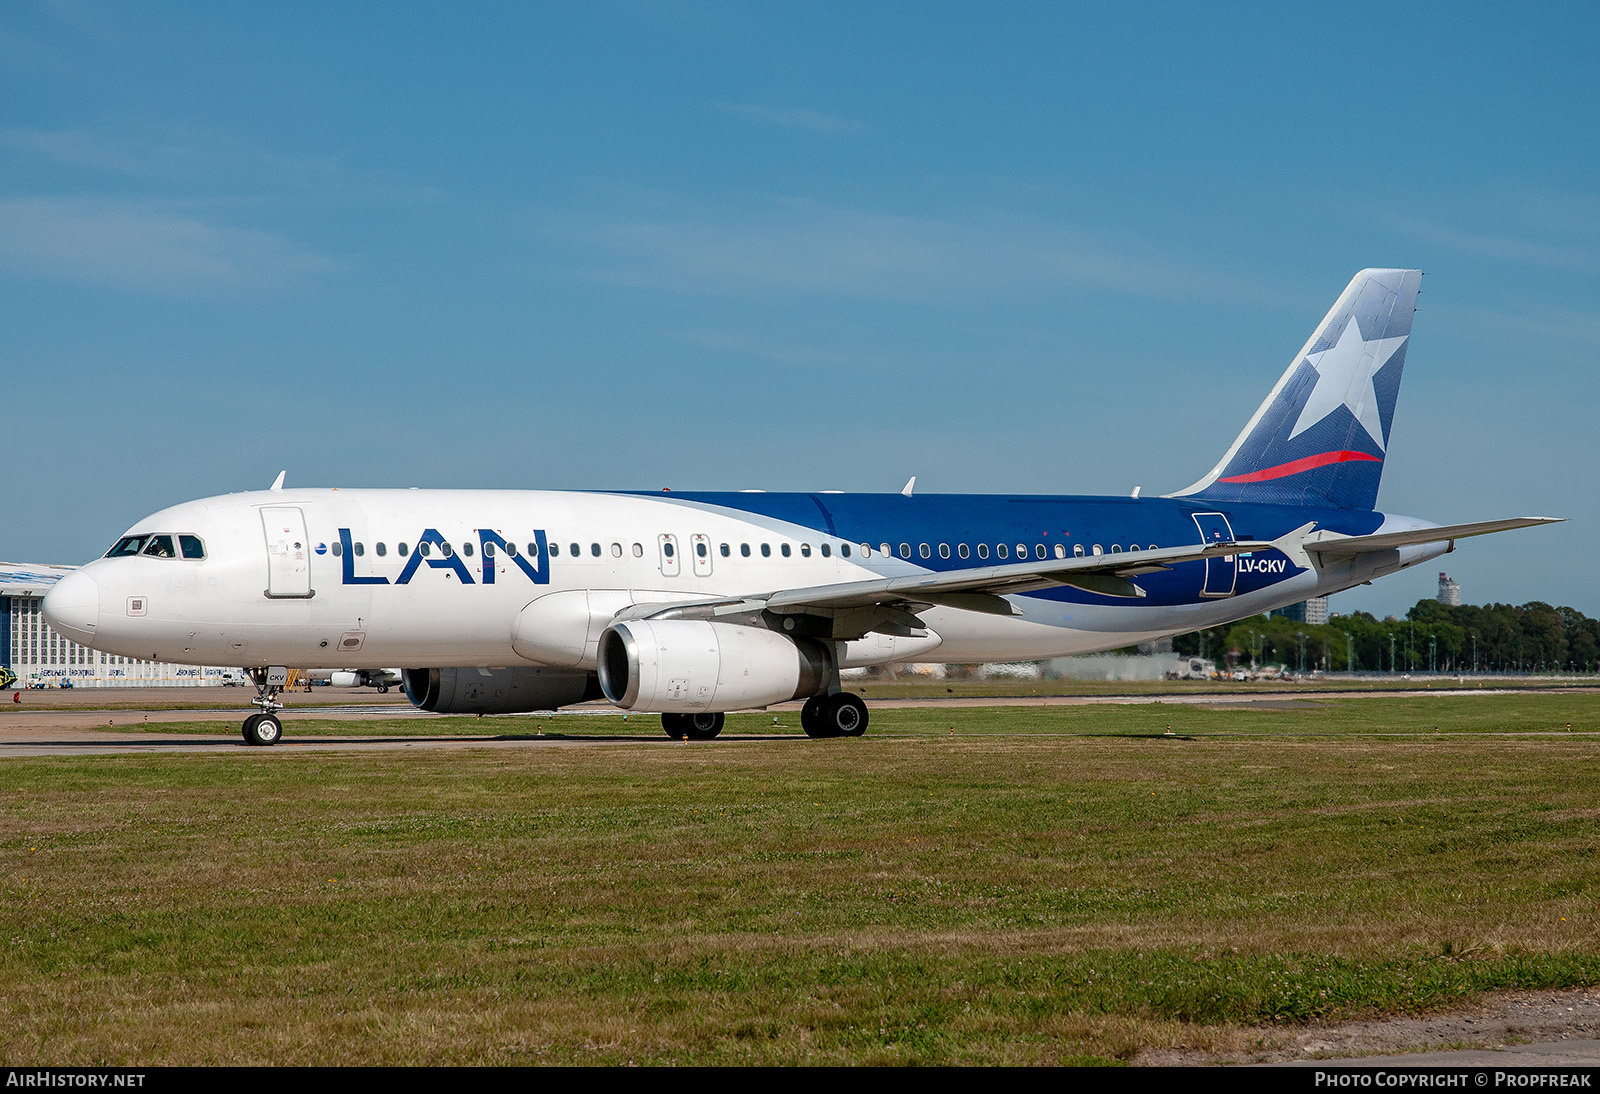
744, 550
488, 550
766, 550
1116, 548
1038, 550
616, 550
383, 549
1000, 550
424, 548
699, 550
844, 550
594, 549
1077, 550
667, 549
724, 550
638, 550
961, 549
983, 550
1022, 550
574, 550
192, 547
905, 550
511, 548
1097, 549
944, 550
805, 550
402, 548
338, 549
784, 547
360, 549
466, 548
555, 550
827, 551
1061, 551
922, 549
1153, 547
446, 550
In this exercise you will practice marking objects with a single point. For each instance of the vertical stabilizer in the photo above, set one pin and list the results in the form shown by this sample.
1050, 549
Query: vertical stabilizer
1321, 435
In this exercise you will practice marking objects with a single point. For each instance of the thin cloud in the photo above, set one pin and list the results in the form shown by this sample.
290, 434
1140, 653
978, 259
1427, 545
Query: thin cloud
778, 353
130, 247
1576, 326
1507, 248
793, 118
808, 247
180, 154
79, 148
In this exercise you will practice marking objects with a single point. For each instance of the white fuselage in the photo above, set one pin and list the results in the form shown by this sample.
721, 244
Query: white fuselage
350, 589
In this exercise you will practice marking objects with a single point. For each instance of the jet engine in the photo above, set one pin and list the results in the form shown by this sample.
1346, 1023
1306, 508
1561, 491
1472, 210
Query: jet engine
684, 666
496, 691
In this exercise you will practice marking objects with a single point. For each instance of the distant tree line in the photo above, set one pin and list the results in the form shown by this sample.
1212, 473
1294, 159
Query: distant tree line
1432, 637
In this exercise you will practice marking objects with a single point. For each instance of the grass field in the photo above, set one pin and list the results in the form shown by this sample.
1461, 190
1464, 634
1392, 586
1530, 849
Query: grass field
1522, 712
961, 886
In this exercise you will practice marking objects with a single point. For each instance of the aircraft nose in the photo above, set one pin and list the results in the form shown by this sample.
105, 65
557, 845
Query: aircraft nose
72, 607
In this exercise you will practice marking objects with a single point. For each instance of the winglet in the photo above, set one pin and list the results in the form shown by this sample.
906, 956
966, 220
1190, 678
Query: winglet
277, 483
912, 481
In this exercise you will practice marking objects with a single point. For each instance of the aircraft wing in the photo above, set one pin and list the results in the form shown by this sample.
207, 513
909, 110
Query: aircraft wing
886, 603
1331, 545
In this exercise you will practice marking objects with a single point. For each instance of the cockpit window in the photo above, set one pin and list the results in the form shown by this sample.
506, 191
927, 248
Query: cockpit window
192, 547
127, 545
160, 546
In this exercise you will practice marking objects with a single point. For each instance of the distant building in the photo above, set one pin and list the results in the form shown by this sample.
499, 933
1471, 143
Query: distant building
1314, 611
38, 656
1449, 591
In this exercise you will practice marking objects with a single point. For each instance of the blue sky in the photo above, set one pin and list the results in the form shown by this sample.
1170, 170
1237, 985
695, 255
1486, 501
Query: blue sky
1038, 248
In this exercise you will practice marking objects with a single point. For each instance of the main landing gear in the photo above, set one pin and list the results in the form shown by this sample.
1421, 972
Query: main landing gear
264, 728
696, 727
839, 715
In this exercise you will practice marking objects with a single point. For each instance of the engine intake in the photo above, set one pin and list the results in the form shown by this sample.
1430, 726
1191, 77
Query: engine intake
682, 666
496, 691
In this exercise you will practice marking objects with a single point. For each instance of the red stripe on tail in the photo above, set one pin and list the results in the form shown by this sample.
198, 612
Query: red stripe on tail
1294, 467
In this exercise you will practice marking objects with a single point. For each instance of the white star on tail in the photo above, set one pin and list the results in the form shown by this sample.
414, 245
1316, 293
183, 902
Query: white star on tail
1344, 378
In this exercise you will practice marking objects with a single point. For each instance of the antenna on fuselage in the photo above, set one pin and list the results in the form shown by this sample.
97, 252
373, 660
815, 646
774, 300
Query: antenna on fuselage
277, 483
912, 481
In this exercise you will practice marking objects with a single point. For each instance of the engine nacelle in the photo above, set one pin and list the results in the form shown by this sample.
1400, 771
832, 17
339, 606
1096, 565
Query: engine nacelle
683, 666
496, 691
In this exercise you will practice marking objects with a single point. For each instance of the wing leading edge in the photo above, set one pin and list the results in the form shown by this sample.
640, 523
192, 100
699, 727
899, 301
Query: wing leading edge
889, 604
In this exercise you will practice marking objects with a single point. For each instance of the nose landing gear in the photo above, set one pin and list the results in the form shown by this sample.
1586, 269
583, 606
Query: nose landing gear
264, 728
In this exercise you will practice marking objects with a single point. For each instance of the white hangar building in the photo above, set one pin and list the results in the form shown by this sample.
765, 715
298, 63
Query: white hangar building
38, 656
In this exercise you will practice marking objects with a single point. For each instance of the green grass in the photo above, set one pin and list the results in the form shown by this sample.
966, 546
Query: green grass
1526, 712
1003, 894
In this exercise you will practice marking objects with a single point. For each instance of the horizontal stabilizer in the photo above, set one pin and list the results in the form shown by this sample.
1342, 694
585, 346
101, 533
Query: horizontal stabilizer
1337, 546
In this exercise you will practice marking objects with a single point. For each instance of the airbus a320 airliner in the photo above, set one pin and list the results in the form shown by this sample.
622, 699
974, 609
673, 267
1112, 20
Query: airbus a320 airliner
694, 604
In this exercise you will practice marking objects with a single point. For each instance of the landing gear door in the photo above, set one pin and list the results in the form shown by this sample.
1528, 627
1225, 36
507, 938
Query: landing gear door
288, 552
1221, 570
